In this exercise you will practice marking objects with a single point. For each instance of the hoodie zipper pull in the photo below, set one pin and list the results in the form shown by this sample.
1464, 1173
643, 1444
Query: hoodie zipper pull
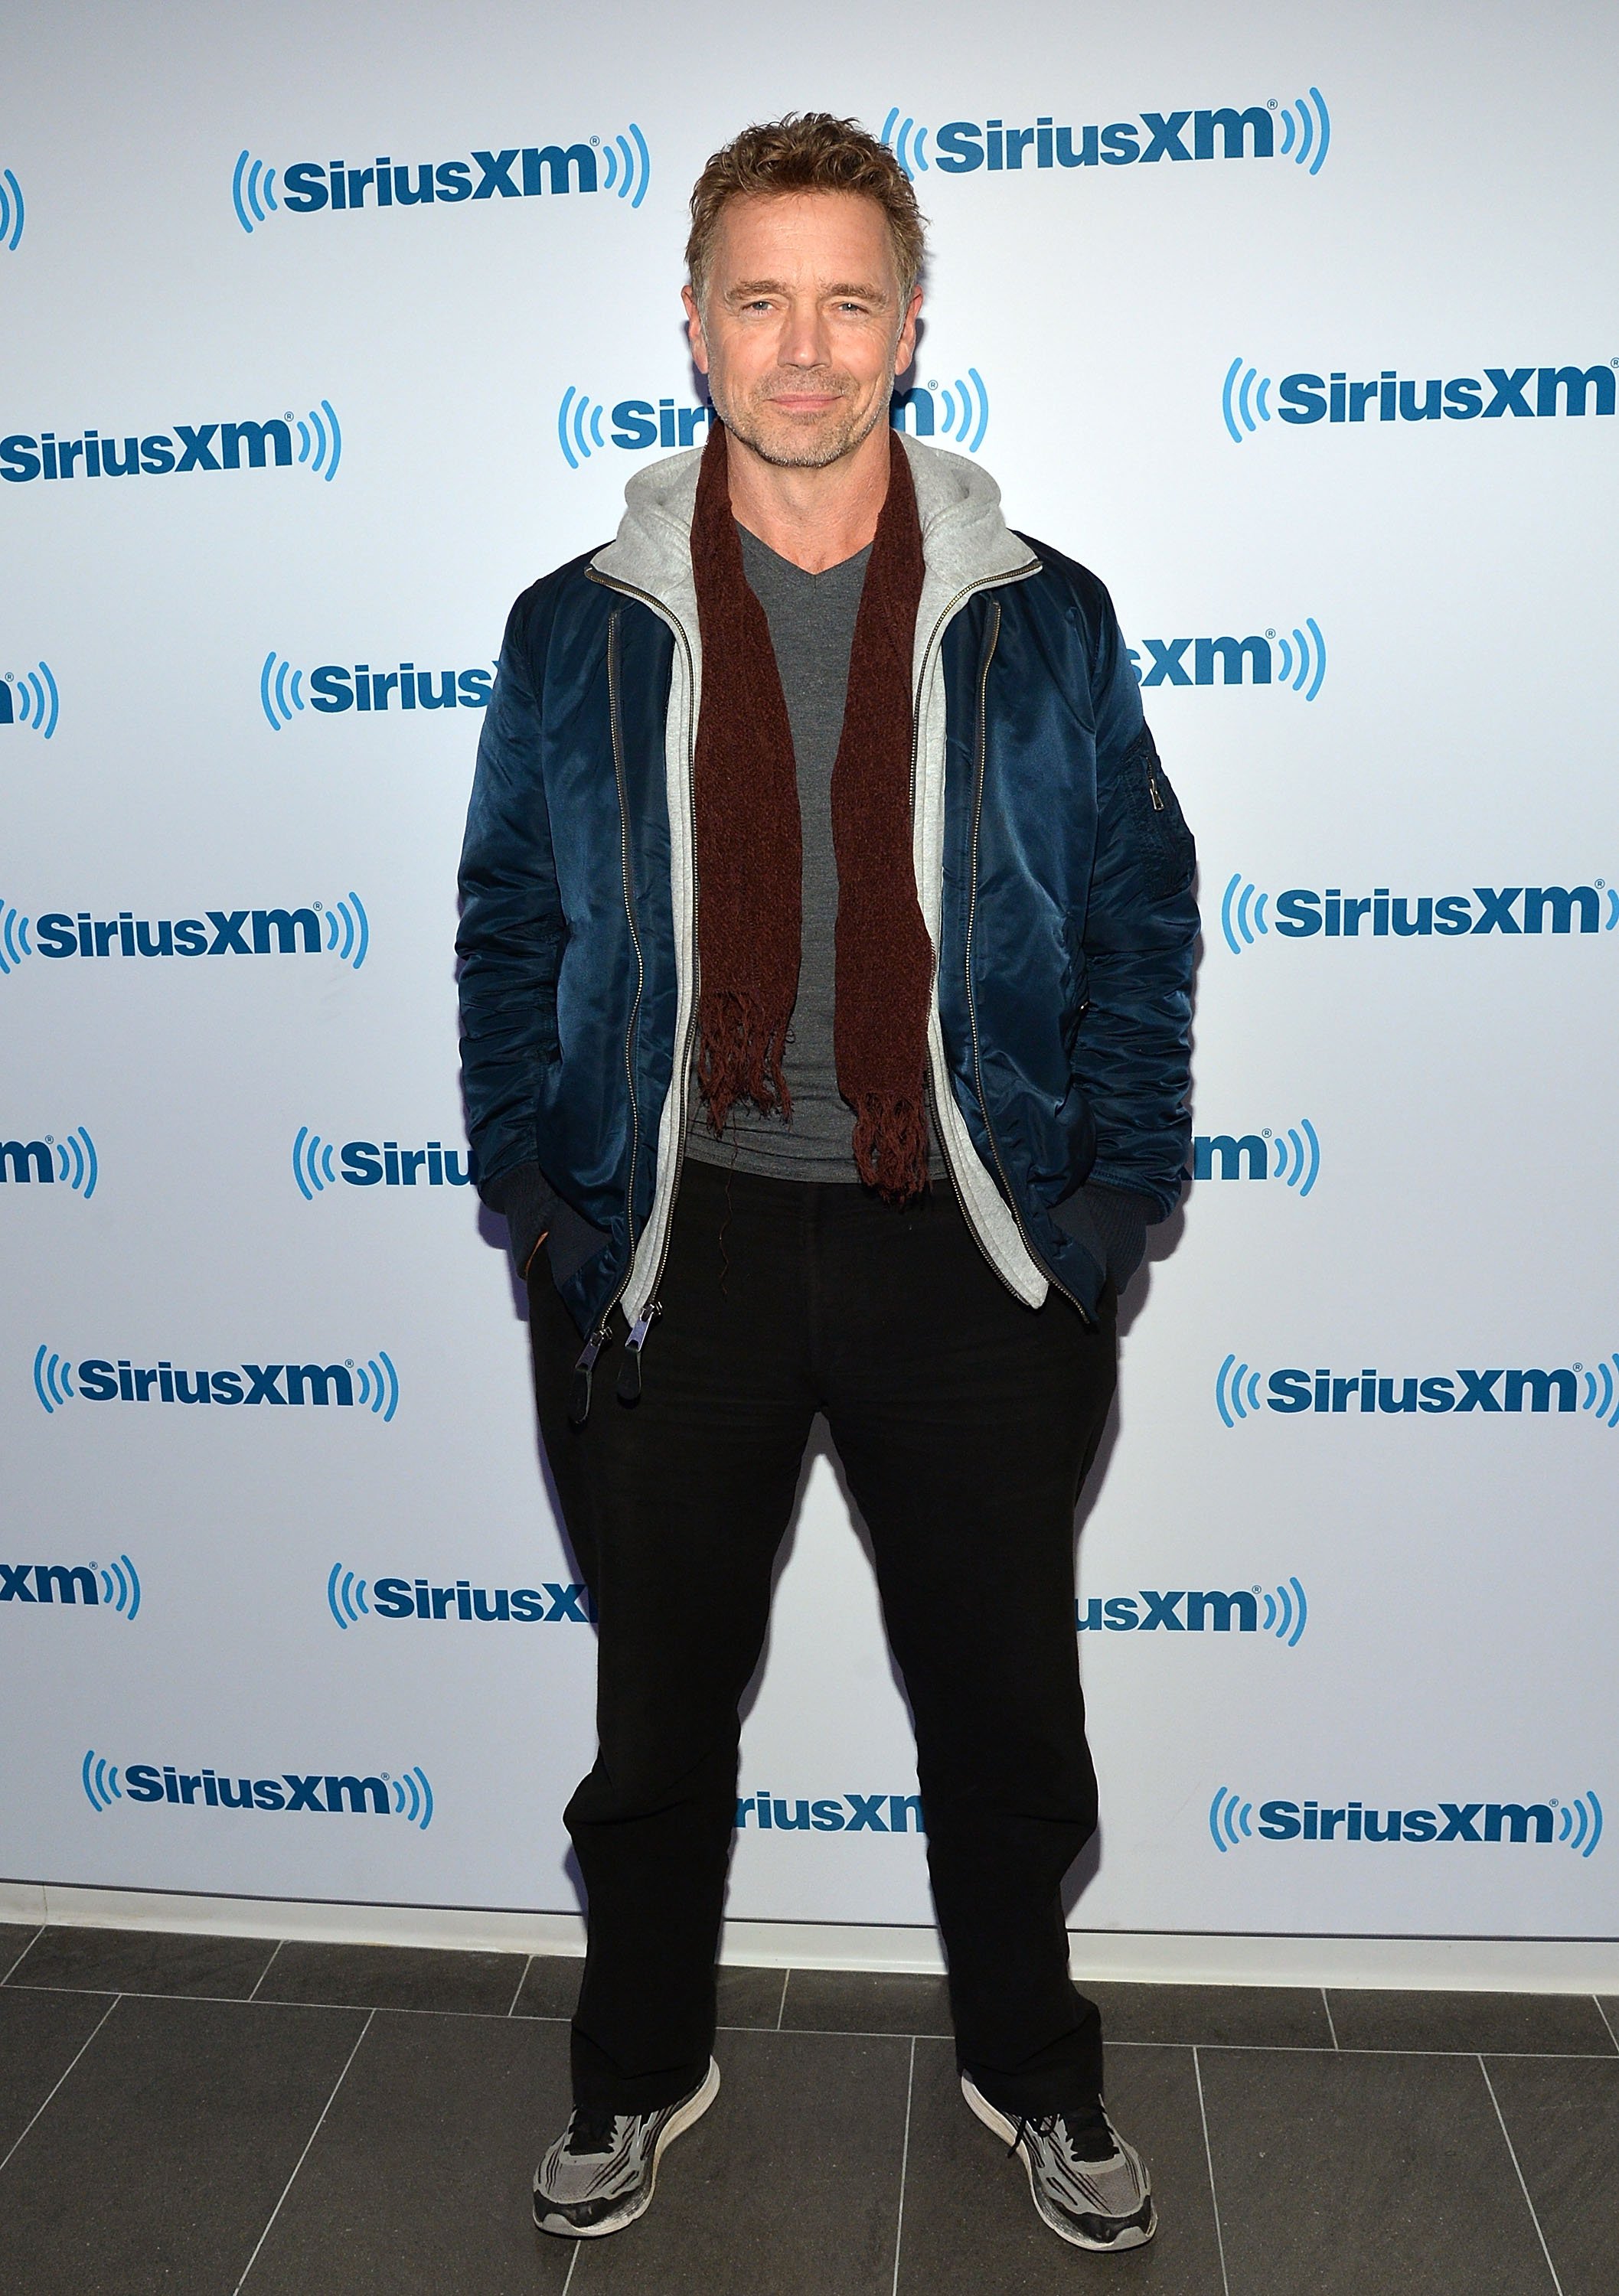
579, 1393
629, 1389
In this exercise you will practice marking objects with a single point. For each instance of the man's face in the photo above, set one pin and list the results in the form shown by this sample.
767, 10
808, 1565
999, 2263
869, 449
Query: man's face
801, 328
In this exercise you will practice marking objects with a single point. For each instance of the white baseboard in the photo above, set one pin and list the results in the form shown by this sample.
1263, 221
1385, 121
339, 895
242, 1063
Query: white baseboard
1463, 1964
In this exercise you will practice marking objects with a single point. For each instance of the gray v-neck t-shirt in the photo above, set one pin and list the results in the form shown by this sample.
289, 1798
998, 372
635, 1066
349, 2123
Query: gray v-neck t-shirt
811, 618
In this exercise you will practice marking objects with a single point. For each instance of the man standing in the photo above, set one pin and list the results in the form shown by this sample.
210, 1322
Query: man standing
827, 942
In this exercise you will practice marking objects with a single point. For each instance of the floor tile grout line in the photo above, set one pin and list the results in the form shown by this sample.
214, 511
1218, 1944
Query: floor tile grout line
1534, 2217
265, 1971
572, 2267
89, 2036
1208, 2154
1332, 2022
63, 2076
303, 2156
523, 1978
910, 2084
22, 1953
781, 2006
1607, 2021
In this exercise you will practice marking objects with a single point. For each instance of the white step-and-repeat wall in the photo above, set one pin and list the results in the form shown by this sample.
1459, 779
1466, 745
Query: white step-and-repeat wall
327, 331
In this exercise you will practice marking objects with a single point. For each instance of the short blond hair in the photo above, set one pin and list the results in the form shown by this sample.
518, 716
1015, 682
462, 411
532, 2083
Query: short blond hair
807, 152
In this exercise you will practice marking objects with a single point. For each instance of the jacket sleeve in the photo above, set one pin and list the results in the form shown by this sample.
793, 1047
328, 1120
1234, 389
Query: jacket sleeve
1133, 1053
510, 943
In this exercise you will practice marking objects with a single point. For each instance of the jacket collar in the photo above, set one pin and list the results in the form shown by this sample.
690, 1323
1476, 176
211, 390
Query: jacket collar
965, 538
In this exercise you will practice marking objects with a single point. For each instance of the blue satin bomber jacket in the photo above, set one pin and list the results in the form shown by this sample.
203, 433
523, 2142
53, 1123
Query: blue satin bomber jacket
1066, 936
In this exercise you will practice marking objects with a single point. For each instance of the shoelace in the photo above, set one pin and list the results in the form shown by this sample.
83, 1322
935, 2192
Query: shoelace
1073, 2124
591, 2131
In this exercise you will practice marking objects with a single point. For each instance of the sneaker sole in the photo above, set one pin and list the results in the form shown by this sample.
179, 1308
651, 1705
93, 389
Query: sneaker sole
678, 2122
1131, 2237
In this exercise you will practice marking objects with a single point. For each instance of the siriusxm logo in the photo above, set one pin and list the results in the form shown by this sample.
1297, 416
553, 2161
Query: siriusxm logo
963, 146
1285, 1612
188, 446
30, 700
1510, 910
849, 1813
616, 163
1576, 1824
342, 931
12, 211
550, 1604
1574, 1387
71, 1161
1292, 1155
1538, 393
96, 1586
372, 1385
1299, 662
409, 1796
957, 411
363, 1165
334, 688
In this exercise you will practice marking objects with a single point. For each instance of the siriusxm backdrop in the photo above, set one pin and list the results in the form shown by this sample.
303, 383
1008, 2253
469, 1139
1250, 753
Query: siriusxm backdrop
1297, 324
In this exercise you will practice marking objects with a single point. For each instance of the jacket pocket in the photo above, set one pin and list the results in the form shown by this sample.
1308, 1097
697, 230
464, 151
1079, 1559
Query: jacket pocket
1170, 854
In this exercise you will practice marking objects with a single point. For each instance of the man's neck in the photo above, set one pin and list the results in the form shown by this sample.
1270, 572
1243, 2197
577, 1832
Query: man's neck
813, 519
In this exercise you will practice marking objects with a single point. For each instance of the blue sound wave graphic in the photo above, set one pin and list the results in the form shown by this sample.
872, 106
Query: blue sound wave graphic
348, 930
77, 1162
1602, 1390
53, 1378
1240, 402
13, 939
625, 166
578, 427
1242, 911
1304, 660
37, 704
1296, 1156
907, 142
346, 1597
1229, 1820
1613, 909
377, 1384
100, 1777
1236, 1391
11, 210
1307, 129
121, 1588
413, 1798
320, 441
252, 191
1580, 1822
312, 1164
966, 411
280, 691
1286, 1613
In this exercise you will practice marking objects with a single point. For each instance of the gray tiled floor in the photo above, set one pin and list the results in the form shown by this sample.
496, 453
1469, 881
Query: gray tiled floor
200, 2115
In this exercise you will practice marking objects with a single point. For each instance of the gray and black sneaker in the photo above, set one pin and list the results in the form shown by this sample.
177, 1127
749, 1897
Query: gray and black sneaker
600, 2174
1089, 2185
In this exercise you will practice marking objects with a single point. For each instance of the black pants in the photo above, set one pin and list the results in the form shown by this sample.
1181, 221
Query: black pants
965, 1424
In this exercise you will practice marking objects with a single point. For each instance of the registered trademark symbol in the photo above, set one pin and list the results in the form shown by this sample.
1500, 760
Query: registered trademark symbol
1267, 1132
933, 386
1271, 106
1601, 881
319, 905
50, 1140
350, 1361
1270, 634
289, 416
1256, 1590
1579, 1367
597, 140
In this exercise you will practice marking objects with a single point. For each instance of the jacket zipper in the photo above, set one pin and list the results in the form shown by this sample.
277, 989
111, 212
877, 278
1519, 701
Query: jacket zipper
979, 745
628, 1386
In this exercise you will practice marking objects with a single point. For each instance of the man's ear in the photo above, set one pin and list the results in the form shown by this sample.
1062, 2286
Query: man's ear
693, 330
905, 350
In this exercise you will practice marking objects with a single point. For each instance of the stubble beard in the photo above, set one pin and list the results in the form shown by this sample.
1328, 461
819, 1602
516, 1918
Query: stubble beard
788, 446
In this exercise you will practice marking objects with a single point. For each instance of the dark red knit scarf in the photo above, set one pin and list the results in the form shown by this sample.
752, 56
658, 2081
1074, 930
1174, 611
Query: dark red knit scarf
749, 855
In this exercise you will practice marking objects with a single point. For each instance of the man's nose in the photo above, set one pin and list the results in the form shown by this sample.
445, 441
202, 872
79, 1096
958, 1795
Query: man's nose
804, 337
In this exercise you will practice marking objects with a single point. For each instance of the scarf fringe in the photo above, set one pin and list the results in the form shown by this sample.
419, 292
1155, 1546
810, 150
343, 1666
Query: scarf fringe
739, 1057
891, 1145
